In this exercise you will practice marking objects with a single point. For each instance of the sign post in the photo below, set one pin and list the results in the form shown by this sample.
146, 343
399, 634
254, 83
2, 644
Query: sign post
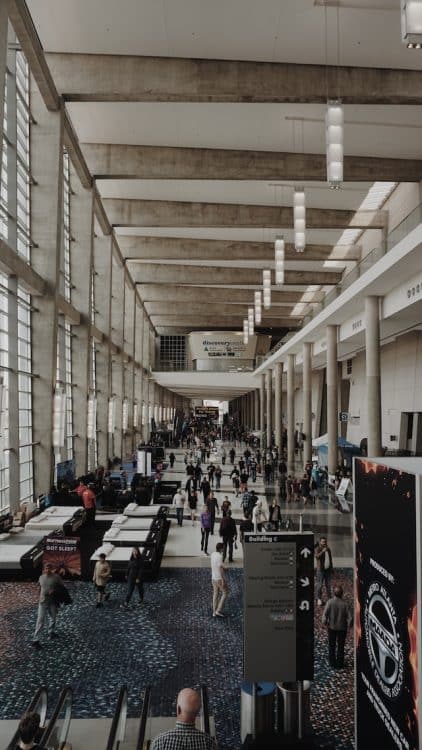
279, 605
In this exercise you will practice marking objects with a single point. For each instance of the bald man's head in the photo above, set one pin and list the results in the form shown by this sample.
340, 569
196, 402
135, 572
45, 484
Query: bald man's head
188, 705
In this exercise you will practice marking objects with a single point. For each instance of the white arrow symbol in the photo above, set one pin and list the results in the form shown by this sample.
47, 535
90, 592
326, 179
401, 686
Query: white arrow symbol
304, 581
304, 605
305, 552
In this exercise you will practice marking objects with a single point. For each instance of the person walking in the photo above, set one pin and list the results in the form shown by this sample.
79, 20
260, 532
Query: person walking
102, 574
172, 459
212, 506
324, 561
232, 454
228, 533
134, 576
205, 487
219, 583
218, 474
46, 605
338, 618
179, 504
259, 516
205, 529
225, 505
223, 456
275, 515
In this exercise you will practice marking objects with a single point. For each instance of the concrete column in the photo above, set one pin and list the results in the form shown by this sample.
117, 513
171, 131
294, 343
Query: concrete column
373, 375
46, 231
3, 58
291, 413
278, 402
262, 408
129, 367
256, 409
117, 334
307, 402
332, 399
102, 293
269, 395
139, 373
81, 259
13, 400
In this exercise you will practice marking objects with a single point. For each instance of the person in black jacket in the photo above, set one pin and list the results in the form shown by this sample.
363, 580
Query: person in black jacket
134, 576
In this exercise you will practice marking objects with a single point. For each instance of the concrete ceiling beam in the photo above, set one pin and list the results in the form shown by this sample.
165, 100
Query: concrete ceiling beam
116, 78
209, 321
148, 213
162, 274
114, 161
180, 248
176, 309
192, 294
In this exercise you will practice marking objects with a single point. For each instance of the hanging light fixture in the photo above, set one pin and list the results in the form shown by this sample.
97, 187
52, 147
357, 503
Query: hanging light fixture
245, 332
111, 418
266, 284
334, 122
251, 326
59, 417
92, 417
125, 415
258, 307
135, 414
299, 219
279, 260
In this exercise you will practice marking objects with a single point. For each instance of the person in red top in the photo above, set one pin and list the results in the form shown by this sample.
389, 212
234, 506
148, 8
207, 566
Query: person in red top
88, 499
80, 489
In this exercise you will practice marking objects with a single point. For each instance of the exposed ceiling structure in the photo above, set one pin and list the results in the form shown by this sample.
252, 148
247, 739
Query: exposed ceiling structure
197, 120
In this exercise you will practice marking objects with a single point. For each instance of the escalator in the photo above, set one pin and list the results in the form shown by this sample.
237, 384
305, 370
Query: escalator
53, 733
118, 725
57, 729
37, 704
145, 738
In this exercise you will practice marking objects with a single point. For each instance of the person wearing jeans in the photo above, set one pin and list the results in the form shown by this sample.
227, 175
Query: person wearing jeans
179, 503
324, 561
46, 604
205, 529
338, 619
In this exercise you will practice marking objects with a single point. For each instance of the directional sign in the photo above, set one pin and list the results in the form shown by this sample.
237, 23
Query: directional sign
279, 606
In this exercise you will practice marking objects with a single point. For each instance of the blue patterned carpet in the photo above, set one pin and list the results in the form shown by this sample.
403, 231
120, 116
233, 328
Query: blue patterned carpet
171, 641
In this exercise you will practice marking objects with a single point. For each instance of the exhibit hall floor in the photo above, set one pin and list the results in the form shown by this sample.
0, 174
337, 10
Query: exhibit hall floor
170, 641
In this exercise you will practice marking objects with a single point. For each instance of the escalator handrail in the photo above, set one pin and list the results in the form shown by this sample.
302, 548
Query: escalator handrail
205, 713
39, 695
144, 718
118, 725
65, 699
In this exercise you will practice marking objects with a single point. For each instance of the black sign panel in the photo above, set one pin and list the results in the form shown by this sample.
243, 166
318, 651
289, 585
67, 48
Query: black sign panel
386, 608
279, 607
209, 412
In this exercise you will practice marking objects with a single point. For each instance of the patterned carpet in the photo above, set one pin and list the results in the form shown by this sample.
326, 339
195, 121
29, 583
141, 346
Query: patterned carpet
170, 642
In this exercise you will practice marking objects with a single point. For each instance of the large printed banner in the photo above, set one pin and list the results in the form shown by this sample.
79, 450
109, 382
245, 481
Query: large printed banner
63, 552
386, 608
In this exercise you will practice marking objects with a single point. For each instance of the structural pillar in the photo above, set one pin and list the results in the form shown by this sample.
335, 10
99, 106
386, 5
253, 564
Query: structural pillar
256, 409
307, 402
290, 413
278, 403
3, 59
269, 376
332, 399
262, 408
102, 293
46, 232
373, 375
81, 206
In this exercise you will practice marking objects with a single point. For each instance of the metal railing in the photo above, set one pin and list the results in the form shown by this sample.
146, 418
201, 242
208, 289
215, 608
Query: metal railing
118, 725
55, 735
144, 718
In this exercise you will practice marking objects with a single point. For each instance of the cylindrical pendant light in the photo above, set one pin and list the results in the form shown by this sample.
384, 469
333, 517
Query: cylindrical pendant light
251, 326
299, 219
258, 307
266, 283
334, 122
135, 414
245, 332
59, 417
111, 420
125, 415
279, 260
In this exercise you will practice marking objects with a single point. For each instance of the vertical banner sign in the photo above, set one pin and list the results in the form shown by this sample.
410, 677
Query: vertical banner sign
386, 623
279, 607
63, 552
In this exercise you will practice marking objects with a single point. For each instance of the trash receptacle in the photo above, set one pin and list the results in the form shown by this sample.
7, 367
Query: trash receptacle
288, 708
264, 708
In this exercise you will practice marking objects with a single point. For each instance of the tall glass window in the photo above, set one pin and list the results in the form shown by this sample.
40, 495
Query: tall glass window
26, 483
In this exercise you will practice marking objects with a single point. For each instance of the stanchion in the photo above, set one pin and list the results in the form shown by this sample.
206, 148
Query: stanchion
300, 723
254, 710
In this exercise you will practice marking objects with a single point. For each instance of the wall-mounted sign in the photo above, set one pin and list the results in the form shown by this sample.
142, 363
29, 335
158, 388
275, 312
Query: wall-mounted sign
64, 554
387, 563
228, 345
207, 412
279, 607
